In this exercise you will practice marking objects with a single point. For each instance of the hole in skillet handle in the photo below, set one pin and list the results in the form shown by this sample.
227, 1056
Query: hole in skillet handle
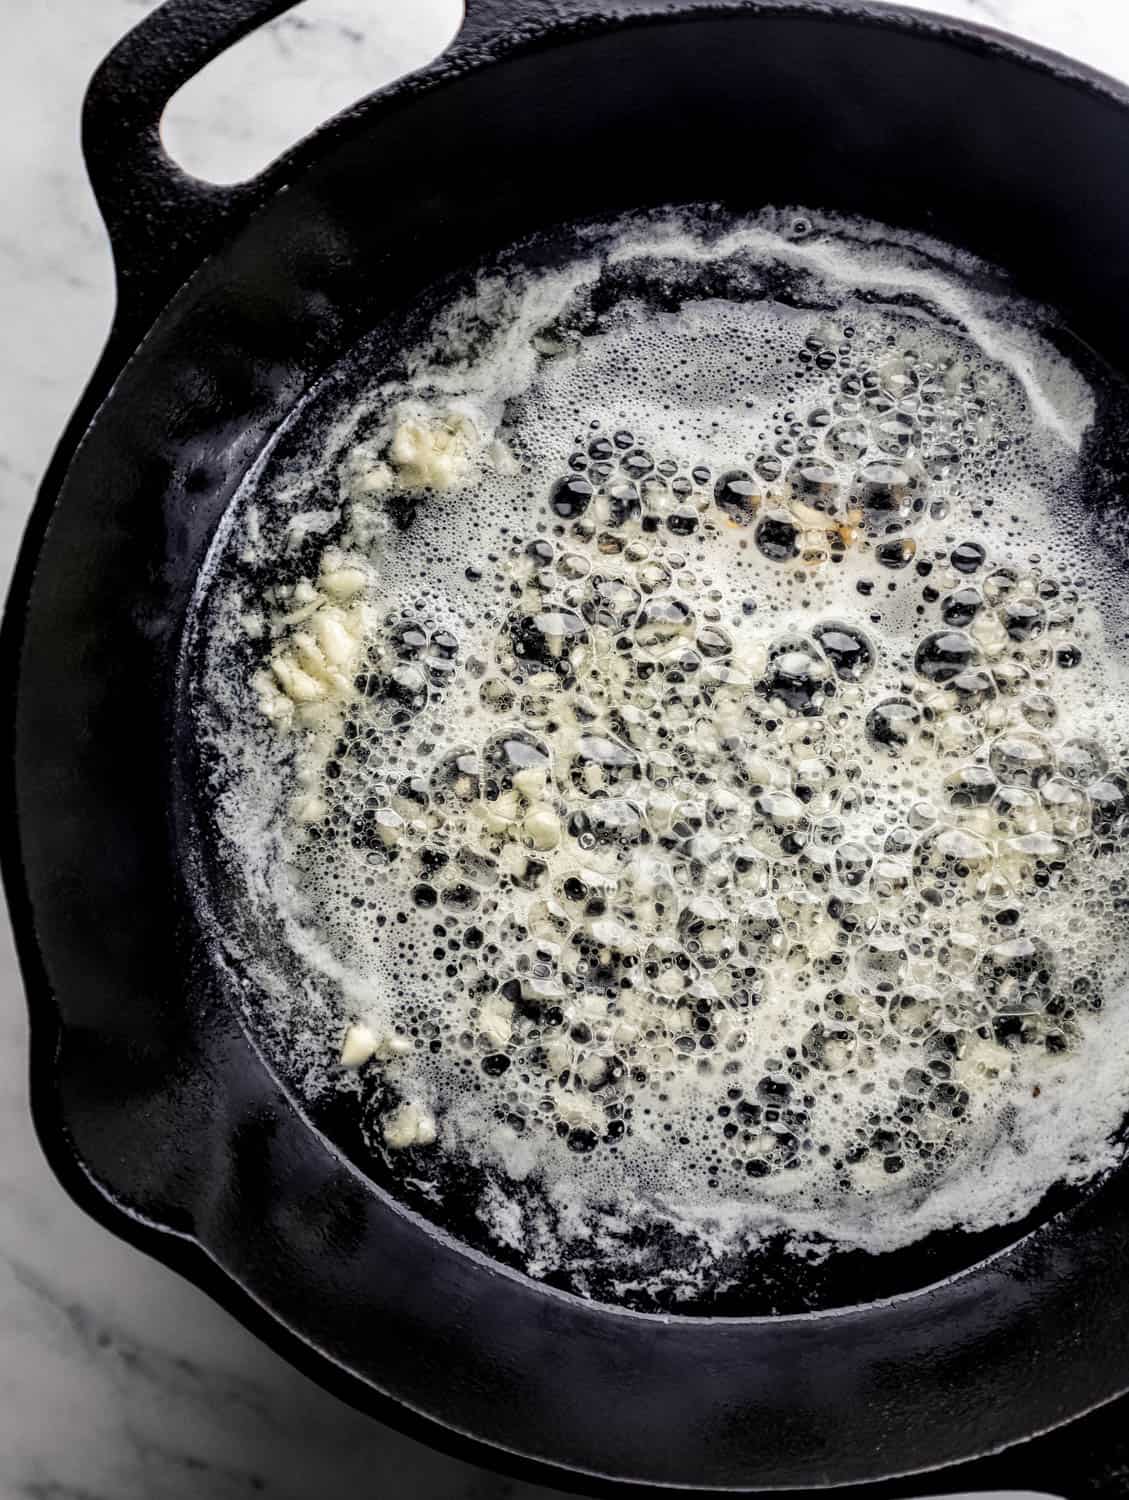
262, 95
162, 222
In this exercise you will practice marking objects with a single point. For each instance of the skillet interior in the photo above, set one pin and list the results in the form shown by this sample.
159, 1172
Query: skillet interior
656, 1271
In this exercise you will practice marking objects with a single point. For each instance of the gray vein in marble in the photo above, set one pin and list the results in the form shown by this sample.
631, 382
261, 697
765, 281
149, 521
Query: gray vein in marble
992, 12
129, 1358
50, 1489
299, 23
168, 1466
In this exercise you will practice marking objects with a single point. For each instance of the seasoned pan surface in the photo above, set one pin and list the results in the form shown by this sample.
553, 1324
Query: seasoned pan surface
155, 1105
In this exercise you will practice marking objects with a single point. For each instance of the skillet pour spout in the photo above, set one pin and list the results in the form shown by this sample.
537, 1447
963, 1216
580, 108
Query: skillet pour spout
153, 1104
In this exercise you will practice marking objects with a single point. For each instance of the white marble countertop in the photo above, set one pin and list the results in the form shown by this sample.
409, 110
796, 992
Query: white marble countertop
117, 1379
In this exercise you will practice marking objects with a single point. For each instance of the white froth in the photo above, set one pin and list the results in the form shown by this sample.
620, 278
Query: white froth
798, 988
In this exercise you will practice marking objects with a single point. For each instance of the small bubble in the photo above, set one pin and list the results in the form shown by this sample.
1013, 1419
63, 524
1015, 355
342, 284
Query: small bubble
968, 557
897, 552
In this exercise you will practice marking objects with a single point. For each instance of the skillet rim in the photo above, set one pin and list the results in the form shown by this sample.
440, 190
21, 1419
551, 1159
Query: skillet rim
180, 1251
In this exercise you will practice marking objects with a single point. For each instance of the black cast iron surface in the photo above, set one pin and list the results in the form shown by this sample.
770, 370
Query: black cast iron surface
152, 1103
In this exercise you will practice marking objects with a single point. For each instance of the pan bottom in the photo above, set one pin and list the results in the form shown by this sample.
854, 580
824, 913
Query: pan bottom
653, 696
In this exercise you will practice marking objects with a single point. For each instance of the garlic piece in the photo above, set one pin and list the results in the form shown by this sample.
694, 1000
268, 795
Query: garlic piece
409, 1125
433, 451
362, 1044
309, 809
495, 1020
358, 1047
542, 827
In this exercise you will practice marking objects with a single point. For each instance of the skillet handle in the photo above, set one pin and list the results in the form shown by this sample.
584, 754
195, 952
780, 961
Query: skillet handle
161, 221
1087, 1459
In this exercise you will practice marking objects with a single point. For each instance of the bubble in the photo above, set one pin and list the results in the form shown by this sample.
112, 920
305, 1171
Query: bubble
1023, 619
378, 830
682, 523
1016, 976
442, 657
846, 648
459, 897
1011, 677
637, 463
1067, 805
848, 440
896, 434
602, 763
1000, 584
510, 753
889, 494
942, 656
618, 504
706, 931
1082, 761
1109, 808
546, 639
408, 640
783, 829
891, 723
1017, 807
778, 538
405, 687
881, 964
1021, 759
497, 695
968, 557
916, 1012
797, 675
662, 623
952, 865
653, 576
970, 786
1038, 709
961, 607
737, 497
830, 1049
891, 878
816, 482
609, 602
940, 457
972, 689
612, 820
898, 552
852, 863
571, 497
713, 642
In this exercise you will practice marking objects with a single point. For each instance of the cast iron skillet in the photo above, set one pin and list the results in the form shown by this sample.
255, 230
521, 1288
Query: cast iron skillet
153, 1105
